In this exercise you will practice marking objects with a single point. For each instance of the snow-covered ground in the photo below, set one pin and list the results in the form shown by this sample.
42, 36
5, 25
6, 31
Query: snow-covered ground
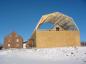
66, 55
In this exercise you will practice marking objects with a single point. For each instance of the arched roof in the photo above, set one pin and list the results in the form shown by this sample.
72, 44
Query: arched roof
59, 19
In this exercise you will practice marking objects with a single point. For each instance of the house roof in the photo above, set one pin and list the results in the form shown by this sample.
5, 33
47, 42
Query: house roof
57, 18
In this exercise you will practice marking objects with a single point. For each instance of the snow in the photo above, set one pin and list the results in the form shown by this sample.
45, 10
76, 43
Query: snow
65, 55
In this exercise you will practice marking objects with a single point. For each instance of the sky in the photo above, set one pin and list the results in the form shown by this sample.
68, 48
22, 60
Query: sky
22, 16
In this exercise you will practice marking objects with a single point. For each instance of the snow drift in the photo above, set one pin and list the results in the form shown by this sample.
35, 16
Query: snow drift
66, 55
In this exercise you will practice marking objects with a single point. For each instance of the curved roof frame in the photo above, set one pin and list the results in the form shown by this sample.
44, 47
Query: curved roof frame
56, 18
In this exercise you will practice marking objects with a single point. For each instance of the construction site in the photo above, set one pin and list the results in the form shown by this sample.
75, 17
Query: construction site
62, 32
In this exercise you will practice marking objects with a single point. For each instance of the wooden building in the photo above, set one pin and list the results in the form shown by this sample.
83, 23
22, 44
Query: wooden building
13, 41
63, 32
29, 43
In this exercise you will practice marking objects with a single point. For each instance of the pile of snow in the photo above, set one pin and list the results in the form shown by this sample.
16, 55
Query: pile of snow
66, 55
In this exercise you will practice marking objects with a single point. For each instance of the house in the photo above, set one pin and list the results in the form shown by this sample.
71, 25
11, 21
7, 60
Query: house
13, 41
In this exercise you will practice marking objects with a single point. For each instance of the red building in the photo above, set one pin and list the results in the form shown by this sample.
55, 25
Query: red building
13, 41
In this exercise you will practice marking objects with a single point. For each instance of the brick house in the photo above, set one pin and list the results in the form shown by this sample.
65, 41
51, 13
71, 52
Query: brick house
13, 41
